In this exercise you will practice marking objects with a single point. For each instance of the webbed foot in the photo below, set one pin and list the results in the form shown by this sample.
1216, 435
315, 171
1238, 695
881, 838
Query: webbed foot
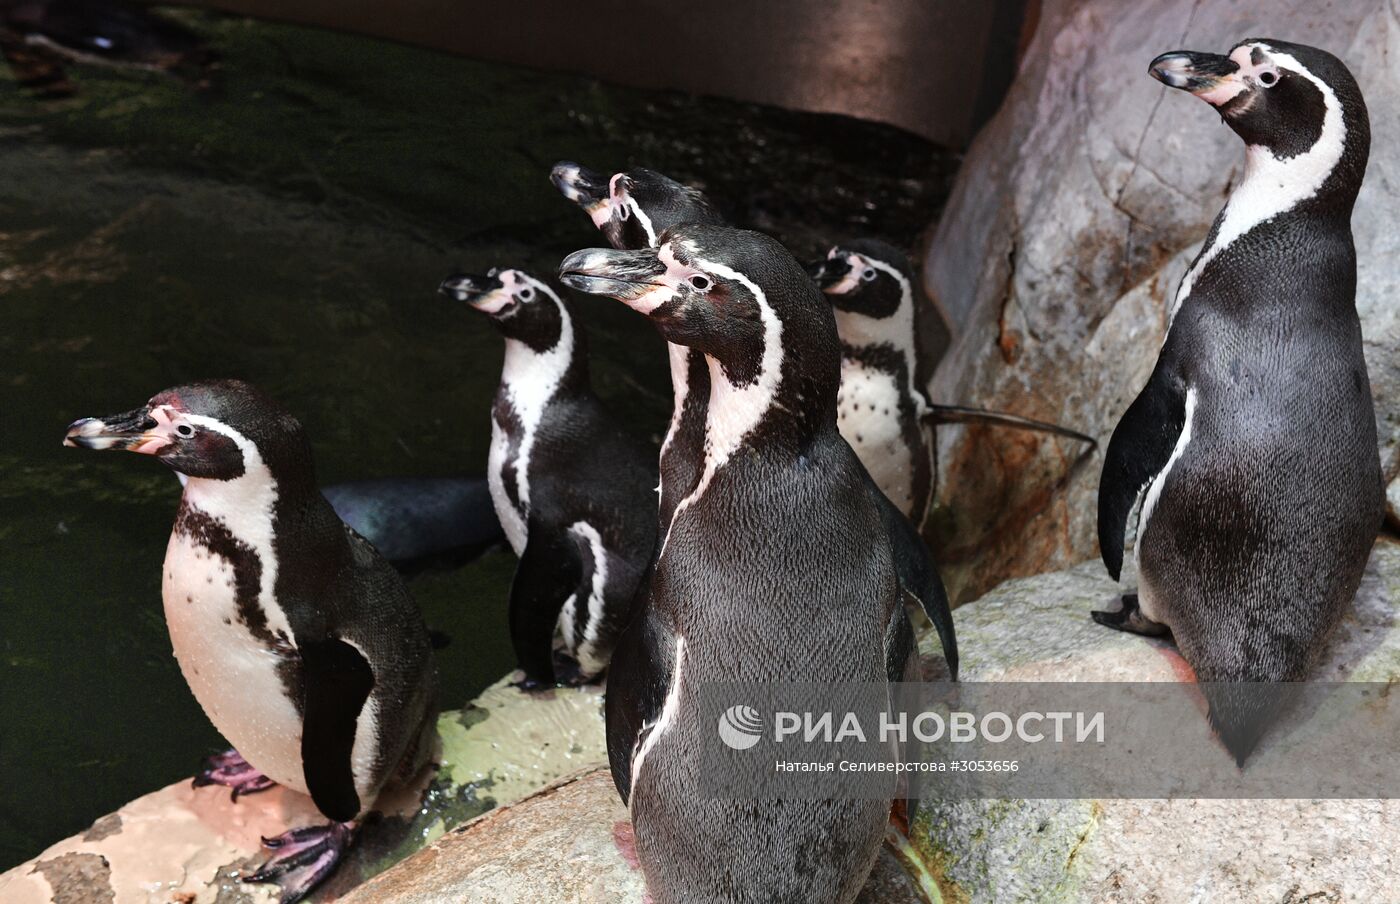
1129, 618
303, 857
232, 771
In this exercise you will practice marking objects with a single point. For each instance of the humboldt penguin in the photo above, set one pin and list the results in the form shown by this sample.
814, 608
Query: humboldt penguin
882, 410
301, 643
575, 492
776, 568
633, 209
1253, 444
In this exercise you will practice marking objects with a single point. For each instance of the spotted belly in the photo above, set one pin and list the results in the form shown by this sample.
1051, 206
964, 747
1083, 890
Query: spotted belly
868, 415
240, 680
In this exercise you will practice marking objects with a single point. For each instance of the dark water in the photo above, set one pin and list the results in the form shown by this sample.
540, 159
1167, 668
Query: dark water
289, 227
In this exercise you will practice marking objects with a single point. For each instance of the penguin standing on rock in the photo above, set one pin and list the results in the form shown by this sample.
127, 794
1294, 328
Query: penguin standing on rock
768, 572
300, 642
575, 492
1254, 440
633, 210
882, 411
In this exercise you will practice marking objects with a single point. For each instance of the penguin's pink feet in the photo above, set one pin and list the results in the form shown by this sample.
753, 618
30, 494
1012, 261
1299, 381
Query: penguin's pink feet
303, 857
232, 771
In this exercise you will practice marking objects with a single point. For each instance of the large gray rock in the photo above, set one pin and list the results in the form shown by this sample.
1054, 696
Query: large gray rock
1120, 850
568, 844
1069, 227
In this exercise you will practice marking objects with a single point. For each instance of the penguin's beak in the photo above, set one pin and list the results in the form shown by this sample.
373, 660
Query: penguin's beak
628, 276
827, 272
583, 186
1210, 76
134, 431
470, 288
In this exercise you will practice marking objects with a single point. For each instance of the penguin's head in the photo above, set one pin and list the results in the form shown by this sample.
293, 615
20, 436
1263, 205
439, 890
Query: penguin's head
864, 277
1296, 102
217, 430
737, 296
522, 307
634, 208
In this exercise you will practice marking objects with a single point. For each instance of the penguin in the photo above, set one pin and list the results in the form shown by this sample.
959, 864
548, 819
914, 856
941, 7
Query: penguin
575, 493
1253, 444
299, 641
882, 410
39, 37
420, 523
776, 565
633, 209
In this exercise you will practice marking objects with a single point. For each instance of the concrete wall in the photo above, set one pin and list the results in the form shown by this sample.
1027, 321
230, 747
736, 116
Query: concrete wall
919, 64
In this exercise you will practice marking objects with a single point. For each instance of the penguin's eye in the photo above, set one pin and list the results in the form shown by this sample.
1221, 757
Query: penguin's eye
867, 275
527, 293
185, 430
1268, 78
624, 211
701, 282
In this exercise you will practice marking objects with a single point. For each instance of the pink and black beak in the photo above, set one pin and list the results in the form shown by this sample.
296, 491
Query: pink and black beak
1203, 74
828, 271
624, 275
469, 287
135, 431
585, 187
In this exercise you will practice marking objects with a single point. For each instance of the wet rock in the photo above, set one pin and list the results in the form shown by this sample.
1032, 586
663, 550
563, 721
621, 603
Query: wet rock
192, 844
105, 827
1119, 850
569, 843
78, 878
1070, 225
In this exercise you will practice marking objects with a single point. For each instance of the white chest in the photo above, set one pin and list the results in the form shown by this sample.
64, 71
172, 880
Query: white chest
233, 675
500, 458
529, 380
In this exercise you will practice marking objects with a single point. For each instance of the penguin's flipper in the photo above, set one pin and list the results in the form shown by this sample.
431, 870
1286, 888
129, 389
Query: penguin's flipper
639, 677
547, 573
1141, 446
917, 574
337, 681
961, 414
1129, 618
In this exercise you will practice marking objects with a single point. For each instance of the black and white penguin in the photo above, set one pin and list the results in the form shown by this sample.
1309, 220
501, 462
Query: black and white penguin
758, 578
1253, 445
300, 642
633, 209
882, 410
575, 492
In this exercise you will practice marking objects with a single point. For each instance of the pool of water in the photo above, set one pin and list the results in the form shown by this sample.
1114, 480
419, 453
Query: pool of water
289, 227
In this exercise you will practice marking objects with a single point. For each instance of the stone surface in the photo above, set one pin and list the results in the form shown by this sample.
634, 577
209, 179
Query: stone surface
487, 832
1038, 629
567, 844
184, 844
1069, 227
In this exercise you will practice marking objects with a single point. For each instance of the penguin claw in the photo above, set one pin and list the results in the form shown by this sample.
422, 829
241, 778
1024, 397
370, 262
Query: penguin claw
232, 771
303, 858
